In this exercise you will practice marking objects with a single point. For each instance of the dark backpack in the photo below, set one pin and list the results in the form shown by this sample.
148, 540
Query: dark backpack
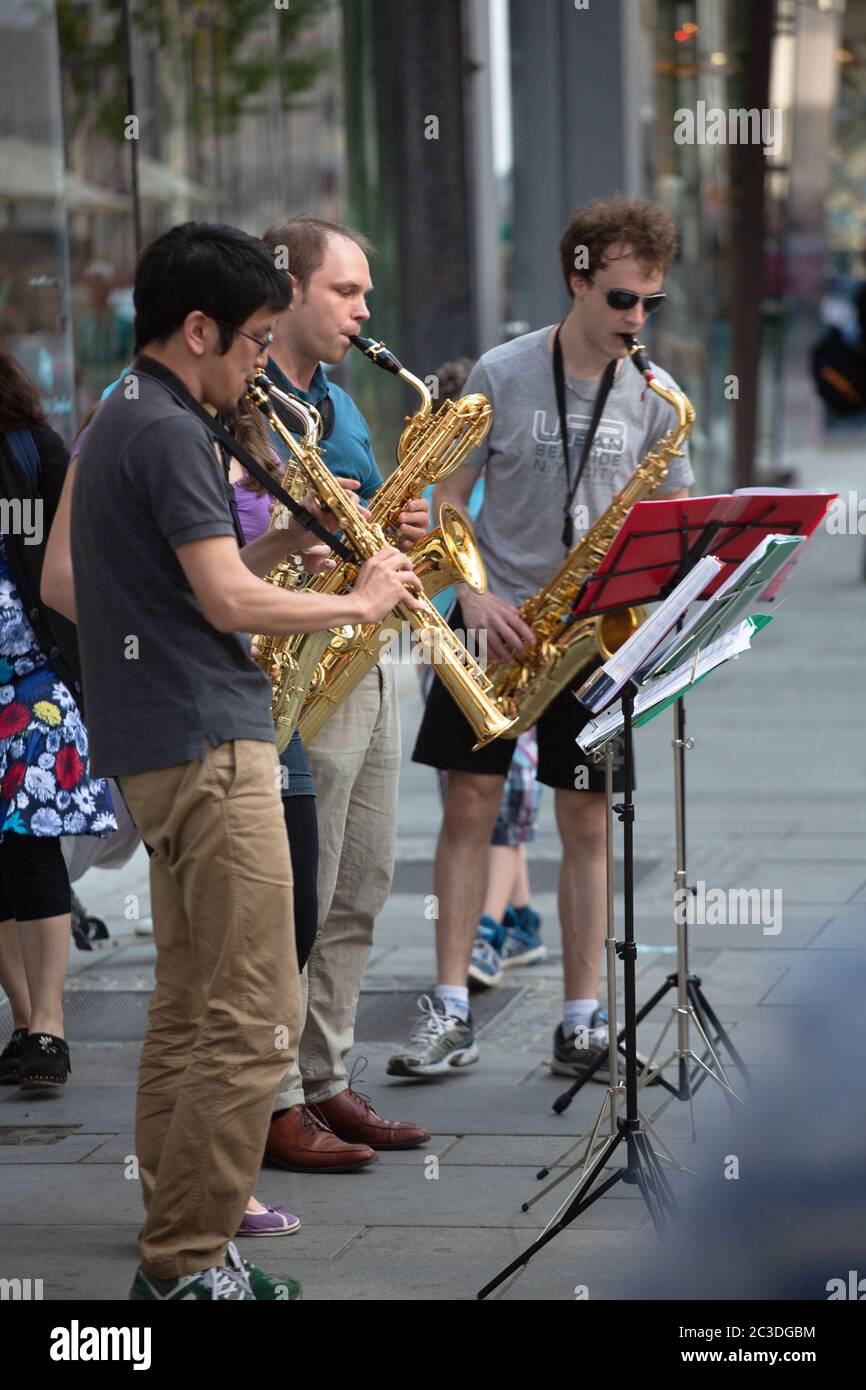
839, 373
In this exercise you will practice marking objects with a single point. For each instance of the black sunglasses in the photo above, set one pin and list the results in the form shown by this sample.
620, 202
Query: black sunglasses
626, 299
261, 343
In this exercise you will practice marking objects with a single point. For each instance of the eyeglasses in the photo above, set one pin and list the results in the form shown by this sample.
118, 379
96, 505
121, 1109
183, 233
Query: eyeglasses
626, 299
261, 343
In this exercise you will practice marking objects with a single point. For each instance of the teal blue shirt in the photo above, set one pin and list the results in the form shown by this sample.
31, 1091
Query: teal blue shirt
347, 451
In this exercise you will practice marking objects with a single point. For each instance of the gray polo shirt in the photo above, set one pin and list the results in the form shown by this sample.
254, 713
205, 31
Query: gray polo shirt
158, 679
519, 525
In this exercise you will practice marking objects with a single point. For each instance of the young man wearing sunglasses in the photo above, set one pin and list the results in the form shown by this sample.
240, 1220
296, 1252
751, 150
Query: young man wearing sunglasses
539, 499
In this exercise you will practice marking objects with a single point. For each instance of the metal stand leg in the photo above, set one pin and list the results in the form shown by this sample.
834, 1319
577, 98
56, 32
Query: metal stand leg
691, 1009
615, 1090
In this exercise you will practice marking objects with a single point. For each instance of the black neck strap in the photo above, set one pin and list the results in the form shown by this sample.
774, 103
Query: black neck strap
148, 366
601, 397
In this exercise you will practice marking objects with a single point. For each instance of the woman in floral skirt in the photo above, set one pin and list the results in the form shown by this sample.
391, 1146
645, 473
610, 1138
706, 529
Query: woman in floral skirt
45, 785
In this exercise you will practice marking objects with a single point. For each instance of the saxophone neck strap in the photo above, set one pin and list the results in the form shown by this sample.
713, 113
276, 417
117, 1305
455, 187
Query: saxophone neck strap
600, 398
148, 366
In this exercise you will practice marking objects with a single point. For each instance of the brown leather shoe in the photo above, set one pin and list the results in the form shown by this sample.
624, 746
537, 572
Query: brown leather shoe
302, 1143
353, 1118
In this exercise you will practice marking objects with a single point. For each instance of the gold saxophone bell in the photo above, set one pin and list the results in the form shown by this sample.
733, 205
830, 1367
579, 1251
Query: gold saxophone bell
612, 629
449, 555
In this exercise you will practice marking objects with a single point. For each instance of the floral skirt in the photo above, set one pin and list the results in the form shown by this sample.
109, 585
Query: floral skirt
45, 782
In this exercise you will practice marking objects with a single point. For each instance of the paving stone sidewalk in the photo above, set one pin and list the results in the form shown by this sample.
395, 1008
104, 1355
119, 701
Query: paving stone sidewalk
775, 801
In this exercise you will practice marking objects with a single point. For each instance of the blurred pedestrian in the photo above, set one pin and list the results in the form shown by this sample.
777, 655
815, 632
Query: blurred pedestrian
46, 789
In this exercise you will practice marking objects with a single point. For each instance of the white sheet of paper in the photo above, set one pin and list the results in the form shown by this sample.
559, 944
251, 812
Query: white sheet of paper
729, 645
604, 685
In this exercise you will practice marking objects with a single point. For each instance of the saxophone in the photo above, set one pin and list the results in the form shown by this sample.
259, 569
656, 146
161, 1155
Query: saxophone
432, 445
524, 687
462, 676
273, 653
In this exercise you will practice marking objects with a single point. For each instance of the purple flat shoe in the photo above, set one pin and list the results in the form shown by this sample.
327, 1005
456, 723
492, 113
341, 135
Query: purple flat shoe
273, 1221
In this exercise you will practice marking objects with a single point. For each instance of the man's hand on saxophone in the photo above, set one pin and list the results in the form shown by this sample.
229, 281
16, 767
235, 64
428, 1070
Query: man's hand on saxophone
414, 522
385, 580
507, 633
235, 600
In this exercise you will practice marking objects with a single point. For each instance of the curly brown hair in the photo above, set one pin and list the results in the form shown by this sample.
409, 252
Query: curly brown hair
451, 377
647, 230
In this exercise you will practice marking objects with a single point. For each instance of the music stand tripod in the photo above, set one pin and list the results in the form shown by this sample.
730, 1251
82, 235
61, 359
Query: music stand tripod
615, 1090
692, 1008
642, 1166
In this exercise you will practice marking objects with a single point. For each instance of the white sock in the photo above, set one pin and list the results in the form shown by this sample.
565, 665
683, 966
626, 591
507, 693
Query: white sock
456, 1000
577, 1013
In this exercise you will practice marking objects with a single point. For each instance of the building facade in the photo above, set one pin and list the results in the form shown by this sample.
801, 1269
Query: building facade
459, 136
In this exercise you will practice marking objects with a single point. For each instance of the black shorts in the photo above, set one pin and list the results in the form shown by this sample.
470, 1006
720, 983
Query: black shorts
446, 738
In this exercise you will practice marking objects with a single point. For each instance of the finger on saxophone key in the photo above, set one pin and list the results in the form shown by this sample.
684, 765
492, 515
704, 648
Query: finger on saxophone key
415, 597
381, 583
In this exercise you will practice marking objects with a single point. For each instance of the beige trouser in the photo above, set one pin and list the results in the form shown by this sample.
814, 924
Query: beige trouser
224, 1014
355, 762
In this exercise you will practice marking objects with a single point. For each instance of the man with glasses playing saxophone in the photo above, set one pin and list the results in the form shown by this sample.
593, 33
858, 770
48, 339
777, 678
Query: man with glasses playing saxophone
319, 1123
614, 255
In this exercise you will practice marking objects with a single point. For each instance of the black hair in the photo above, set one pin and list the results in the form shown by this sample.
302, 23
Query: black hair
220, 270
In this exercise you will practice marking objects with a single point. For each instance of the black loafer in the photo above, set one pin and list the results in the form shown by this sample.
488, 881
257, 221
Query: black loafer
10, 1059
44, 1061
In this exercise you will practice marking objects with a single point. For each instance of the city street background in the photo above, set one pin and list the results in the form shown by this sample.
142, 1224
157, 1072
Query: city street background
775, 801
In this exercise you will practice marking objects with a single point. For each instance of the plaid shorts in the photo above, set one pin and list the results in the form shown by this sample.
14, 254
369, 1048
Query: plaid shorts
521, 796
518, 814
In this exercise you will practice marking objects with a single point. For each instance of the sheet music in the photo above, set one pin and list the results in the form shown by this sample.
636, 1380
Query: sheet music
739, 596
603, 685
664, 688
780, 491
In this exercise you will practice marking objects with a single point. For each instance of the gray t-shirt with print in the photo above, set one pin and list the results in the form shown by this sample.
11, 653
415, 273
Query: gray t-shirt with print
519, 526
159, 680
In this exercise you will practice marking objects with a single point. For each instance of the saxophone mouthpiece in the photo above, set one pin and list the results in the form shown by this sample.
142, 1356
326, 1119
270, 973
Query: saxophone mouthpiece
637, 353
378, 353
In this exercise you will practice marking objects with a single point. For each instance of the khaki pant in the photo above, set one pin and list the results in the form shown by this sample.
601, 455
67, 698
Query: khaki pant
355, 762
225, 1010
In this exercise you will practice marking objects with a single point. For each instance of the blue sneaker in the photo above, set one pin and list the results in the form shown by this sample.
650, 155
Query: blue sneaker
485, 967
521, 927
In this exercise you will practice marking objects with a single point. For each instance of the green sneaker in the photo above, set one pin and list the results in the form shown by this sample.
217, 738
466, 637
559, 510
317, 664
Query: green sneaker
219, 1282
266, 1288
